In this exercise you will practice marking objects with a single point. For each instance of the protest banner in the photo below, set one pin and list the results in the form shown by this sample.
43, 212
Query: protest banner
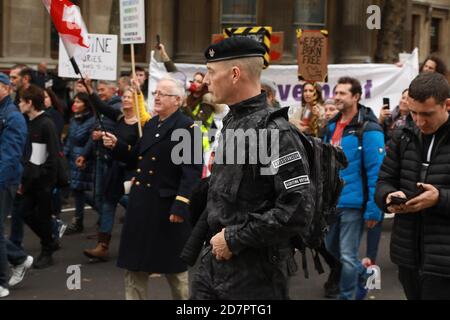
377, 80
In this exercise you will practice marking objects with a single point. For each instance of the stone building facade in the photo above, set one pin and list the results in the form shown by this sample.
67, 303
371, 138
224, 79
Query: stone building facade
186, 26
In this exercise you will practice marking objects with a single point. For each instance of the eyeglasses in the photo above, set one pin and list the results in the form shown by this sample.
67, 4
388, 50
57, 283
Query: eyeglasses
159, 93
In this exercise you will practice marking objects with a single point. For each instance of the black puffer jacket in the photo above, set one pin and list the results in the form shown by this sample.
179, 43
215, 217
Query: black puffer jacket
421, 240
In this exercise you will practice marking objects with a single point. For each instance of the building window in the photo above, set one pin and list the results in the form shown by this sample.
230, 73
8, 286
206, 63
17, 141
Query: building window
310, 14
54, 36
415, 34
236, 13
435, 34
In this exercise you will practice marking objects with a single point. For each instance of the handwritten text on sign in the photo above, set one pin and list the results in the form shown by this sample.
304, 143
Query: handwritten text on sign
132, 21
312, 55
100, 63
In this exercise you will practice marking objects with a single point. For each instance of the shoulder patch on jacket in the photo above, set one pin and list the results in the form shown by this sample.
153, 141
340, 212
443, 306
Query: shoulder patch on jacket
295, 182
295, 156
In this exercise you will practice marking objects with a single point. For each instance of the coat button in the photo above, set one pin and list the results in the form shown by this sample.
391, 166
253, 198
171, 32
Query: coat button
151, 172
157, 135
274, 259
140, 158
153, 159
138, 183
138, 170
149, 185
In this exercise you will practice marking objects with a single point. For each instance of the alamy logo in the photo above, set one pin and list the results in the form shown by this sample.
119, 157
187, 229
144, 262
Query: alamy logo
235, 147
74, 280
374, 21
374, 280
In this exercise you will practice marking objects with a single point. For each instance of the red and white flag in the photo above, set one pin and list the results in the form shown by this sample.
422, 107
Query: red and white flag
70, 25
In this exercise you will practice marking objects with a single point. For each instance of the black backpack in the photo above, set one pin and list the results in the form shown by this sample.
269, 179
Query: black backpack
325, 161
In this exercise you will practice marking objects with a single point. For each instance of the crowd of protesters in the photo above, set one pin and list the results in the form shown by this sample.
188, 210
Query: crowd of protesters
46, 129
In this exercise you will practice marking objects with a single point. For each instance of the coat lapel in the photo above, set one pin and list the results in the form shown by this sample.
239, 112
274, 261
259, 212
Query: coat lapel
154, 134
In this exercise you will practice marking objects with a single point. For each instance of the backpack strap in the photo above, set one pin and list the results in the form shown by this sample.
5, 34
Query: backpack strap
317, 263
304, 263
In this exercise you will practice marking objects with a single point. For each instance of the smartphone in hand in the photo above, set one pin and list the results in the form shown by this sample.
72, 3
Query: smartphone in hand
396, 201
386, 104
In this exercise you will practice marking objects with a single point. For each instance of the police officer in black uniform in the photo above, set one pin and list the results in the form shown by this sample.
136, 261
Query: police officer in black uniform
157, 220
252, 215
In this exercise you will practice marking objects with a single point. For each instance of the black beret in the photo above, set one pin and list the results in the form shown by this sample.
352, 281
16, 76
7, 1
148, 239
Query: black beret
234, 48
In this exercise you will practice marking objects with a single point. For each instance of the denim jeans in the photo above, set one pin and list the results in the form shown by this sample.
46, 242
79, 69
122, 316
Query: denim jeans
373, 241
101, 170
109, 212
343, 241
81, 198
8, 251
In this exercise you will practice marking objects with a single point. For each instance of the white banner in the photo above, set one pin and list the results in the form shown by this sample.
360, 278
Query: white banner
378, 80
100, 63
132, 21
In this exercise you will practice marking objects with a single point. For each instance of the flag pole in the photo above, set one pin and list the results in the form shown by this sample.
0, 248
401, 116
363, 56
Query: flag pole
136, 102
77, 71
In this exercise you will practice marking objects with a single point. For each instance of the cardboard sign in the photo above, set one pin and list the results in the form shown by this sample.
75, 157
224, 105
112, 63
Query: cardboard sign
132, 21
276, 44
312, 55
260, 34
100, 63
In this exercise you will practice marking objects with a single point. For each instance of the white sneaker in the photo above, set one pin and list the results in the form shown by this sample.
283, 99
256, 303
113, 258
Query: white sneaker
3, 292
18, 272
62, 228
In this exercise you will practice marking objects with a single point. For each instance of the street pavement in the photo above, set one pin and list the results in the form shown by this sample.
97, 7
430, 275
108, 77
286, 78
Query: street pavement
104, 281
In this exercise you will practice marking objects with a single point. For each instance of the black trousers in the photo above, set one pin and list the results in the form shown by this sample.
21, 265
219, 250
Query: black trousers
253, 274
36, 210
418, 286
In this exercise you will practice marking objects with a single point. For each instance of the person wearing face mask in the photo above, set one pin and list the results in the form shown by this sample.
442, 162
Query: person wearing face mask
126, 129
309, 118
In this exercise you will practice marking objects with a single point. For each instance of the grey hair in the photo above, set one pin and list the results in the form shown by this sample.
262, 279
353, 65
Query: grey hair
329, 101
111, 84
178, 86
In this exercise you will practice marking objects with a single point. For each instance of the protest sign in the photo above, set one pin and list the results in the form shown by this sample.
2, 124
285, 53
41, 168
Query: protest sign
132, 21
312, 55
100, 62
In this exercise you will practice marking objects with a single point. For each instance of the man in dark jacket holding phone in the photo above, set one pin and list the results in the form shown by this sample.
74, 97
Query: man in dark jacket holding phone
418, 156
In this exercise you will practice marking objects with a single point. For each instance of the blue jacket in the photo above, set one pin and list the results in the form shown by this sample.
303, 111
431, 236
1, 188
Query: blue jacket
13, 135
76, 144
372, 152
